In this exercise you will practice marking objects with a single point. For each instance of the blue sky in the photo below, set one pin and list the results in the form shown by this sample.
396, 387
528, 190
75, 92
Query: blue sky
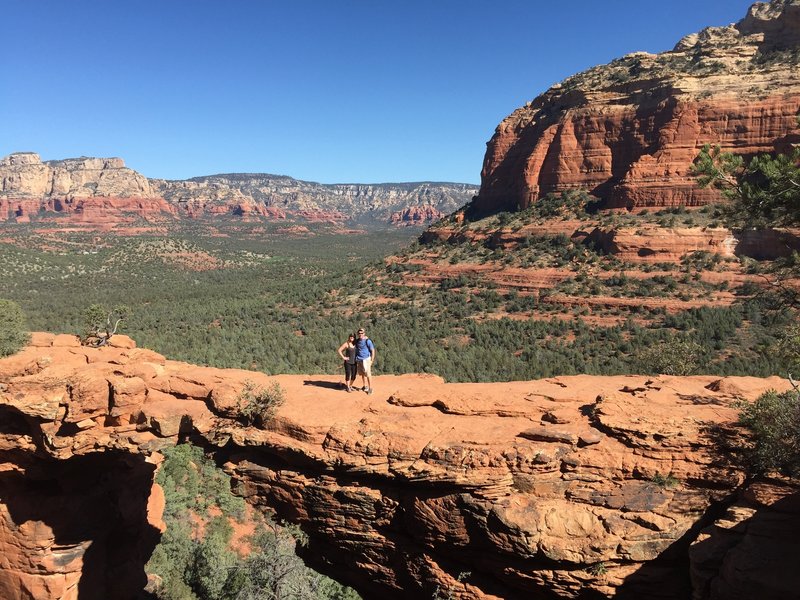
330, 91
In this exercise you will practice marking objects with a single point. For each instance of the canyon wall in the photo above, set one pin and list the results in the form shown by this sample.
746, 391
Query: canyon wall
628, 131
570, 487
104, 190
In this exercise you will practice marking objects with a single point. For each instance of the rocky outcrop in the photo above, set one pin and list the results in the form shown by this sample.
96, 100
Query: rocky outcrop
24, 175
104, 190
629, 131
729, 559
416, 215
571, 487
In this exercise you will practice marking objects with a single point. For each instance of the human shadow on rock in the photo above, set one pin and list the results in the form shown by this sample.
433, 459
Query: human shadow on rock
331, 385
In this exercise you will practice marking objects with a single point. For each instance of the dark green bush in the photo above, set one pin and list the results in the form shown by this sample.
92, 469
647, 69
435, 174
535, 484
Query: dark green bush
13, 334
774, 420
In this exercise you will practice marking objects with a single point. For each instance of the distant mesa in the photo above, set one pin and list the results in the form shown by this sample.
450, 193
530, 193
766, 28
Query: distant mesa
628, 131
103, 191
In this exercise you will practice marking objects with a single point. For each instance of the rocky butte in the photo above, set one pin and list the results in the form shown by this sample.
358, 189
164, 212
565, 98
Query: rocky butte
570, 487
623, 136
628, 131
98, 191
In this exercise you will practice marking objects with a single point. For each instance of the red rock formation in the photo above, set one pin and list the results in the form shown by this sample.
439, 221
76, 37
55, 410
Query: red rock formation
537, 489
628, 131
92, 210
320, 216
728, 559
34, 190
416, 215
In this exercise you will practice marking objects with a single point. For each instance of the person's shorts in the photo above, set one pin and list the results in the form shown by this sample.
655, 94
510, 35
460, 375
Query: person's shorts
365, 367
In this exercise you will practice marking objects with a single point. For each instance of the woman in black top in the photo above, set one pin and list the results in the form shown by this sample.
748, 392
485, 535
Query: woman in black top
347, 352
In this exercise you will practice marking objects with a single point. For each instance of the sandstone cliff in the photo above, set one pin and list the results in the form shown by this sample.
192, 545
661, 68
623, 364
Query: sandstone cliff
628, 131
572, 487
90, 190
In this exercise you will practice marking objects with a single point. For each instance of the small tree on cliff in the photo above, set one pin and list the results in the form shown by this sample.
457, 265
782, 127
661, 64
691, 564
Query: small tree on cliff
258, 405
13, 334
100, 323
764, 192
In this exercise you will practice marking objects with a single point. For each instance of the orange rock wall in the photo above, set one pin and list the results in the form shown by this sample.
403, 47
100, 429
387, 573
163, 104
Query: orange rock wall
632, 154
90, 210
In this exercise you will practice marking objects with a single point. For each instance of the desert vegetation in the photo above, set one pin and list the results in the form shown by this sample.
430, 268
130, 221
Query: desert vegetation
215, 548
13, 333
281, 305
258, 405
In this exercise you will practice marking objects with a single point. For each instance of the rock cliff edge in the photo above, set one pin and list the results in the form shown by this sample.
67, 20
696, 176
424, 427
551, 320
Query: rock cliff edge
570, 487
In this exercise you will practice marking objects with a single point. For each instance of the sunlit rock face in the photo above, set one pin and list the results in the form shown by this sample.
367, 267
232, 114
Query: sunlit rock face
570, 487
628, 131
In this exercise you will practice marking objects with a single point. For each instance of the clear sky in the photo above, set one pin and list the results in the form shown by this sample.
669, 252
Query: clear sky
332, 91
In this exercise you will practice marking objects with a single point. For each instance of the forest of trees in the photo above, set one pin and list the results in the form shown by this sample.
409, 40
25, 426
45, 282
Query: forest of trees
284, 306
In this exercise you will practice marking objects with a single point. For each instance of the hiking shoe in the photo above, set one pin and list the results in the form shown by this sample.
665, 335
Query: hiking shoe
369, 391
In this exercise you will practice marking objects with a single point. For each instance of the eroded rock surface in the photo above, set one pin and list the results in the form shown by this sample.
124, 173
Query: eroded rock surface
570, 487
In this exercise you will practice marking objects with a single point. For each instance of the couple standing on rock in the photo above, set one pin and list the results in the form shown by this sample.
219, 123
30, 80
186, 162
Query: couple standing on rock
358, 354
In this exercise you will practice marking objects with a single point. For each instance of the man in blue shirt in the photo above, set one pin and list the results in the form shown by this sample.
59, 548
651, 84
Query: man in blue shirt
365, 356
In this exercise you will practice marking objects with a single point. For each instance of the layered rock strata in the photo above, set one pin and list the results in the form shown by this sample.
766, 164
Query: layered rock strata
571, 487
97, 190
629, 131
645, 243
87, 190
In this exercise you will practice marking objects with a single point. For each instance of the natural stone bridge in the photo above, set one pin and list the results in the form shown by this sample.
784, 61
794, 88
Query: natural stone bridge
555, 488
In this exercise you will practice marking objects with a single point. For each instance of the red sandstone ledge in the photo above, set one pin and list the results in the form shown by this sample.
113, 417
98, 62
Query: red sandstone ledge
527, 485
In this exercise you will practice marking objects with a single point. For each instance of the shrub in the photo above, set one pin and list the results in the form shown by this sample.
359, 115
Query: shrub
774, 420
672, 357
668, 481
259, 405
598, 569
13, 334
